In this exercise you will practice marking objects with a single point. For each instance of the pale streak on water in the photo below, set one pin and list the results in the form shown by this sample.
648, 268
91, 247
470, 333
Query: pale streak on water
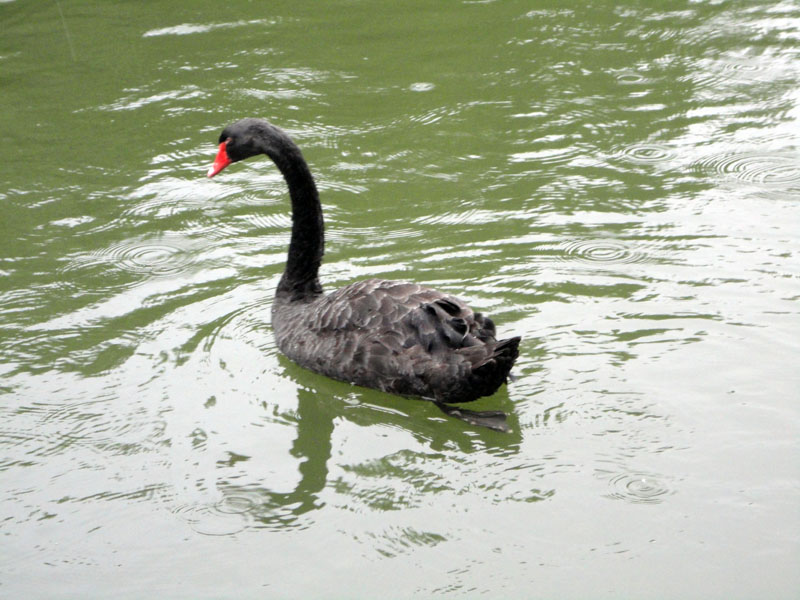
618, 184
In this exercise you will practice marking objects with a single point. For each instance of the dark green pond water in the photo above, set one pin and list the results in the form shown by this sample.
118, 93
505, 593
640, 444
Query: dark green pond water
617, 182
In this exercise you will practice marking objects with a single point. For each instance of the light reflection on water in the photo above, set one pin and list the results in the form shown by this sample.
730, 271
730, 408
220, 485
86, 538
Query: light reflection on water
618, 186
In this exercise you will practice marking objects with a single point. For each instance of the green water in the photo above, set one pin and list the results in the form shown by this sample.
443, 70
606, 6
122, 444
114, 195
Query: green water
617, 182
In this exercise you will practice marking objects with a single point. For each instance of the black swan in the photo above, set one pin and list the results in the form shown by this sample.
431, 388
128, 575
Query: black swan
393, 336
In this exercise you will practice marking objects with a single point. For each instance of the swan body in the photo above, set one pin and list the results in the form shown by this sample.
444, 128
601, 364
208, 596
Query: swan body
398, 337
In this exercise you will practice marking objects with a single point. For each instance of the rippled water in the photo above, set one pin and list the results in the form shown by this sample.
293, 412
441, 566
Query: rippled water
616, 182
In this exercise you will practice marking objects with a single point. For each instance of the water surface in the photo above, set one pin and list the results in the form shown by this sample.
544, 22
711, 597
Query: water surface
616, 182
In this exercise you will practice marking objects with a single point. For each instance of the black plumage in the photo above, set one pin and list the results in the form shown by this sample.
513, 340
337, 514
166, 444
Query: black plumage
394, 336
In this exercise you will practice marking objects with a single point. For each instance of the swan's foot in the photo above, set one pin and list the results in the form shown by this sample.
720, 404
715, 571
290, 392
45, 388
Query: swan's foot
493, 419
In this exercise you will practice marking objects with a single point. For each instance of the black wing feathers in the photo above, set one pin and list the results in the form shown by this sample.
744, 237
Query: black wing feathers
398, 337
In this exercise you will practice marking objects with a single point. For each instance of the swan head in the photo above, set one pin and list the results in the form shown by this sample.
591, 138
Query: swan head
237, 142
242, 140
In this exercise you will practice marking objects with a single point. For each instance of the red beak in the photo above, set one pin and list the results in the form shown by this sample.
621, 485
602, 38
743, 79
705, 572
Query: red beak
222, 161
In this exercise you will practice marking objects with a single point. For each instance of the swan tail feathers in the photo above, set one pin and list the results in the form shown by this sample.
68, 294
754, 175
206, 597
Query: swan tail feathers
493, 372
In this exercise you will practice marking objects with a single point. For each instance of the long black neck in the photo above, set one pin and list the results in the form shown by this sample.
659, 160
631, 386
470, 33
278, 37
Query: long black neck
300, 279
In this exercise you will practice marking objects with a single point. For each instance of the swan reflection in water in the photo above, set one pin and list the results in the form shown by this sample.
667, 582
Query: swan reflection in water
319, 410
